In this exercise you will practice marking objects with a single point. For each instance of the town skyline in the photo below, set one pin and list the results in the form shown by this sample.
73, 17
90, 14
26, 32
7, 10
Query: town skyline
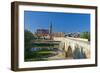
61, 22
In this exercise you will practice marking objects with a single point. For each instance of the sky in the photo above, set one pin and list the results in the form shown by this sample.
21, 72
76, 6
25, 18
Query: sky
61, 22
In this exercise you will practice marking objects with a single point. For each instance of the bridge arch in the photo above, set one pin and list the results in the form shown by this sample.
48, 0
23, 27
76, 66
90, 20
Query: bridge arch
69, 53
79, 53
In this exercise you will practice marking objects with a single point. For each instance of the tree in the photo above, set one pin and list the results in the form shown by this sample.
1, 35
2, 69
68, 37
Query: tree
85, 35
28, 36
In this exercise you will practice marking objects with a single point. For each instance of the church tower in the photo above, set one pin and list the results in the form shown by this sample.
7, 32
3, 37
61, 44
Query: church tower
50, 31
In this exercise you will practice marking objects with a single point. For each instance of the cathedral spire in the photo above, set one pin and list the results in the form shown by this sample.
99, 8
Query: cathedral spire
50, 31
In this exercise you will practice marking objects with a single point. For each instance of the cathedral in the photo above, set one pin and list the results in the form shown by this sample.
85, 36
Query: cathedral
47, 33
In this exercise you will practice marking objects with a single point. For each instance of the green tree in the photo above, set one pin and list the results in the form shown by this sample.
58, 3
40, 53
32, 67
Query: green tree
29, 37
85, 35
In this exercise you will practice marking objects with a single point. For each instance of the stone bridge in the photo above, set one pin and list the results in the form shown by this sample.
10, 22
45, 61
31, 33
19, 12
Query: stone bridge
74, 47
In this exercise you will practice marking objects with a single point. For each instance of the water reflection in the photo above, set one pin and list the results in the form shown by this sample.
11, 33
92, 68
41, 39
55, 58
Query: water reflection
38, 49
78, 54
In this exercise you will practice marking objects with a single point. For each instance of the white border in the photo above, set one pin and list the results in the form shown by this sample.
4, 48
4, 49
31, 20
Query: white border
23, 64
